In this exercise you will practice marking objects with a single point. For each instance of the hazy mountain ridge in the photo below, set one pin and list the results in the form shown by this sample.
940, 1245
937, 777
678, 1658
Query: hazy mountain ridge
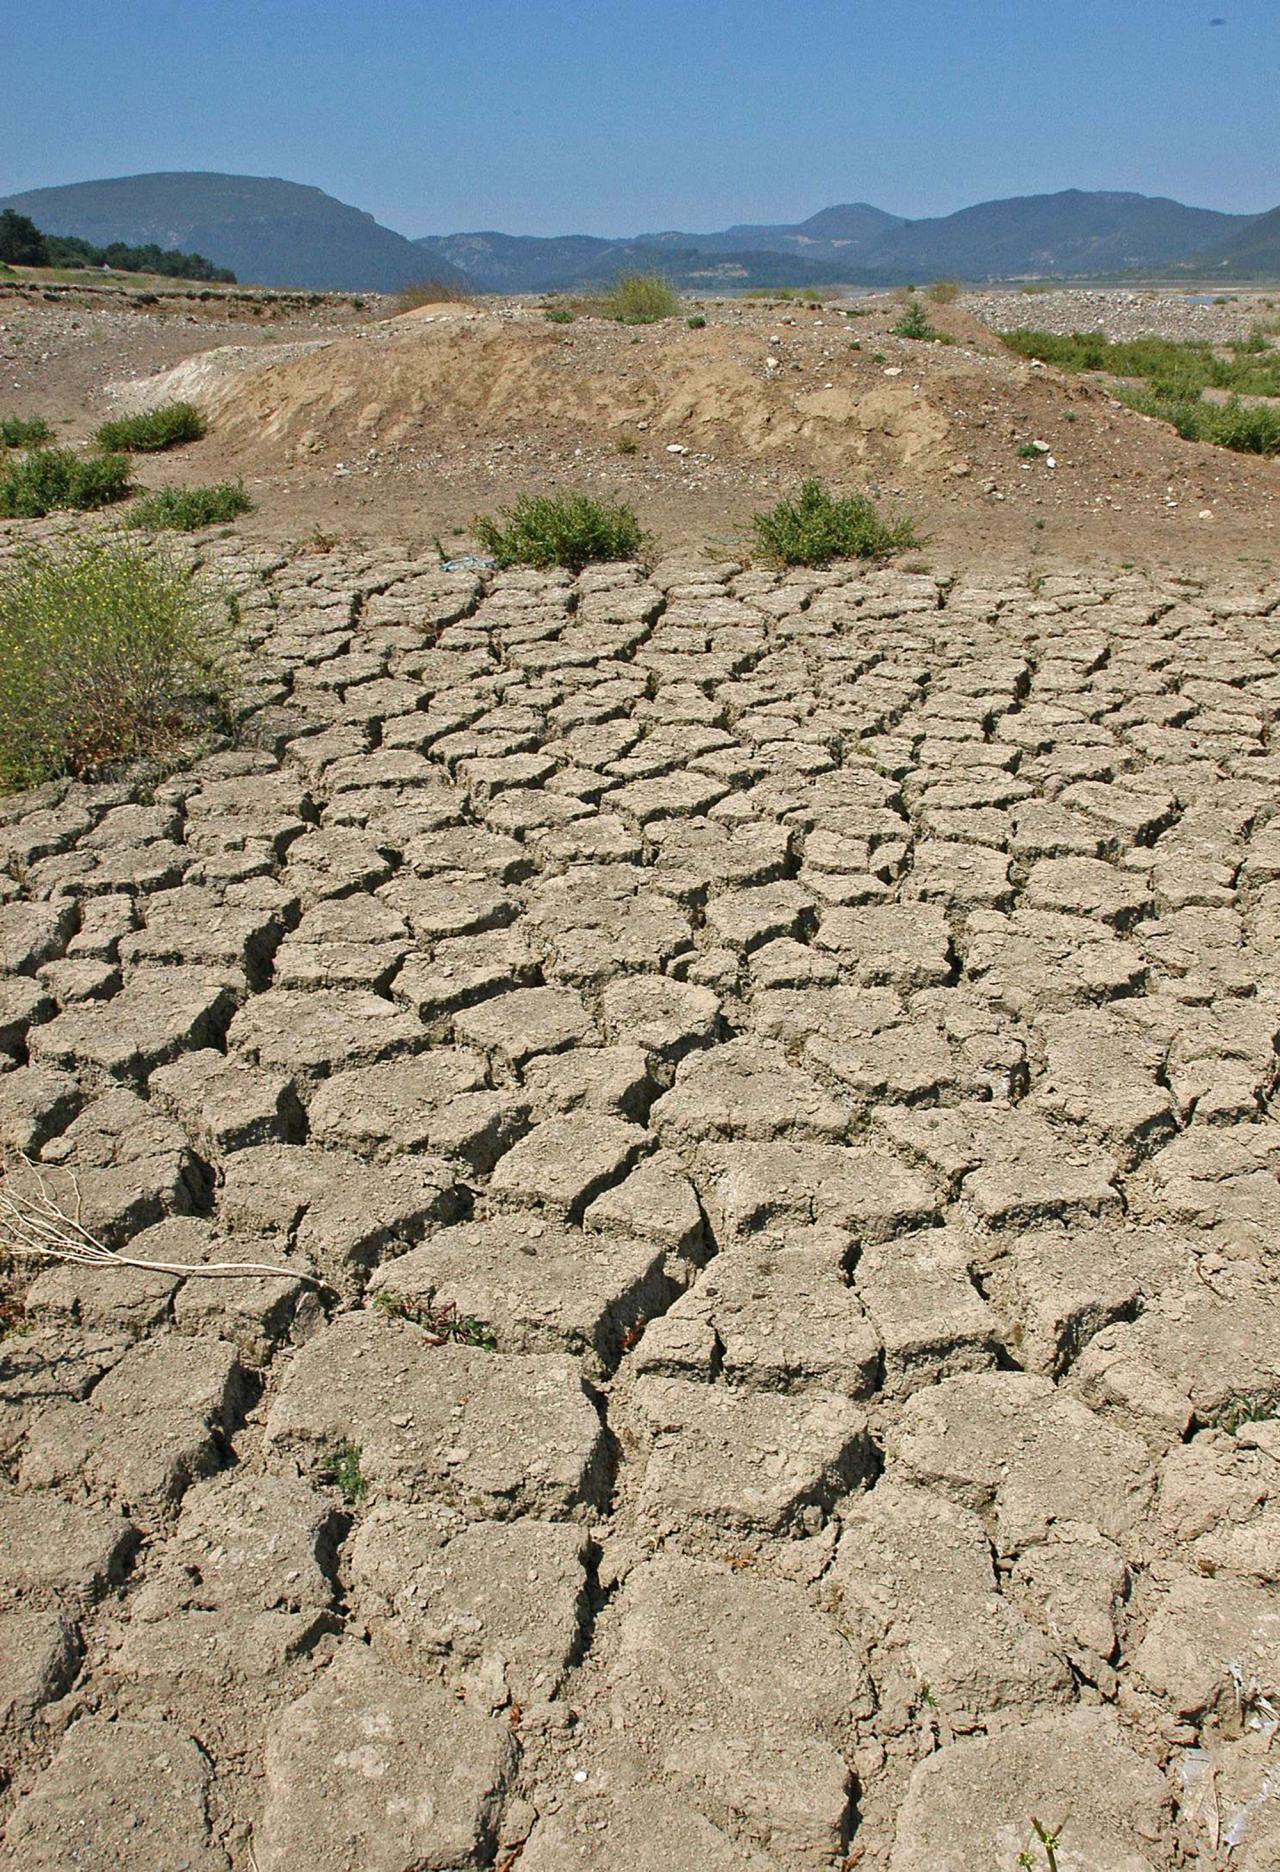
276, 232
268, 231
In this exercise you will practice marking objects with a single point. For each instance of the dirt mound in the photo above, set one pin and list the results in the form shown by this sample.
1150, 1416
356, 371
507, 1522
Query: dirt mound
723, 388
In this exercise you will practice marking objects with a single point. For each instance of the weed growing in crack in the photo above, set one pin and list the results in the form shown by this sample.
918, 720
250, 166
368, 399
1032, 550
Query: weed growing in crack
441, 1324
1242, 1408
341, 1470
1049, 1838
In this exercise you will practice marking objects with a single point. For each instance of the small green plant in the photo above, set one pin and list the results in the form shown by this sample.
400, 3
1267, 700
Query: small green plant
24, 432
914, 323
108, 652
341, 1470
185, 510
1031, 451
569, 530
696, 323
641, 299
440, 1323
627, 443
46, 480
163, 428
1049, 1838
1245, 1408
818, 527
559, 315
877, 357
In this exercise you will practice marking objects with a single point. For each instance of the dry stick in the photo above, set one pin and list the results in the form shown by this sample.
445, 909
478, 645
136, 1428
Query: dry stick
36, 1226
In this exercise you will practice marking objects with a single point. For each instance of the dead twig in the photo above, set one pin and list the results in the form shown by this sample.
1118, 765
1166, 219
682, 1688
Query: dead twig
33, 1223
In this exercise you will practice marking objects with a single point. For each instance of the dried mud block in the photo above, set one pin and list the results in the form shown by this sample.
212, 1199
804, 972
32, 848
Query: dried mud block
663, 1017
147, 1430
613, 1080
1057, 1287
243, 1585
732, 1460
729, 1691
744, 1090
511, 1028
1009, 1446
310, 1036
913, 1581
538, 1286
771, 1315
386, 1773
907, 946
1088, 887
39, 1656
867, 1191
225, 1106
1075, 1586
118, 1794
36, 1103
564, 1162
656, 1202
499, 1608
973, 1802
634, 1827
157, 1015
495, 1435
390, 1108
1013, 1168
1212, 1649
929, 1316
1220, 1180
59, 1553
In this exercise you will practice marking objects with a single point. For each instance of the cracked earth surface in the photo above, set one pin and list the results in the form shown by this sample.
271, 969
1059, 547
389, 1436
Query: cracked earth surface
775, 1073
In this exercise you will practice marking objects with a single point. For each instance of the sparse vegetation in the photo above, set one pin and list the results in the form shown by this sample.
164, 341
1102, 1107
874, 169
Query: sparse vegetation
782, 295
943, 292
1049, 1838
441, 1323
1245, 1408
185, 510
1249, 429
627, 444
914, 323
641, 299
146, 434
428, 292
108, 652
48, 480
561, 529
24, 432
559, 315
341, 1470
818, 527
696, 323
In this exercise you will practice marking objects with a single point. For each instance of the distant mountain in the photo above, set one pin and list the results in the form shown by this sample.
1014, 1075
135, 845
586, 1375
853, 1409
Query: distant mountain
1253, 253
268, 231
845, 234
528, 263
1070, 233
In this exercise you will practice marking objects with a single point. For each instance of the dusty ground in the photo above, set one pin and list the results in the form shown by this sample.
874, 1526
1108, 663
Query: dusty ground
776, 1077
761, 1088
404, 429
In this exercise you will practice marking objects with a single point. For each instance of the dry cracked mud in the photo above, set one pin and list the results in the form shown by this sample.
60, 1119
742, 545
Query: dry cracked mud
775, 1076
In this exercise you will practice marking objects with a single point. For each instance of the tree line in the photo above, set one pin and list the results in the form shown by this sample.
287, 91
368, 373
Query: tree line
23, 244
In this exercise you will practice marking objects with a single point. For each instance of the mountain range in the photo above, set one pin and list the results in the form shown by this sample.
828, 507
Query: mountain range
275, 232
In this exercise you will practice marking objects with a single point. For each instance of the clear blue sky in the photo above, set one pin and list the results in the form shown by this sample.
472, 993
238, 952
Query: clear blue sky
623, 116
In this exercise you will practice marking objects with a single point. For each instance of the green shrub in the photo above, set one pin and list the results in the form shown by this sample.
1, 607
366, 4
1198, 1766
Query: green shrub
641, 299
48, 479
156, 429
185, 510
561, 529
1248, 429
1174, 368
914, 323
559, 315
24, 432
788, 295
696, 323
107, 652
818, 527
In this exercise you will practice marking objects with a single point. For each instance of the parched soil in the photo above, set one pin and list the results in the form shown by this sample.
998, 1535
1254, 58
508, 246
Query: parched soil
760, 1090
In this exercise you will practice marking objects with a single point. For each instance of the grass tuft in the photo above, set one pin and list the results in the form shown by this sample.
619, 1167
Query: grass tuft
559, 315
108, 652
943, 292
24, 432
341, 1470
163, 428
441, 1323
185, 510
569, 530
46, 480
641, 299
818, 527
429, 292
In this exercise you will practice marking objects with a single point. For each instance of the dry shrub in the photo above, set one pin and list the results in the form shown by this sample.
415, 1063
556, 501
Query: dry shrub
429, 292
